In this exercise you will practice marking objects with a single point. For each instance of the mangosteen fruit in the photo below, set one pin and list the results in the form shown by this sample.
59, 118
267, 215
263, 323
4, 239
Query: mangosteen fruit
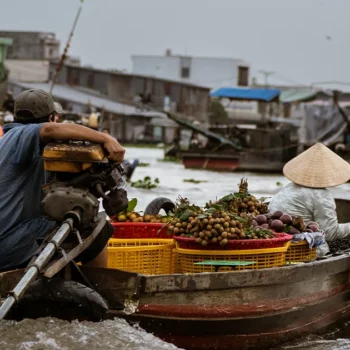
286, 219
277, 225
261, 219
293, 231
277, 214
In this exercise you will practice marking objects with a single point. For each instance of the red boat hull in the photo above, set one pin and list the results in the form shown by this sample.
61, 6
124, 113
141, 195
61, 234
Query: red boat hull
211, 163
261, 331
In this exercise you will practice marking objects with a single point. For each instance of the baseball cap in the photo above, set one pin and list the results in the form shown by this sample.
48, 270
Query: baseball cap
33, 104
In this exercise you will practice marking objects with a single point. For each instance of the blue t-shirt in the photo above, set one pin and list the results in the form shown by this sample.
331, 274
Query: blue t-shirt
22, 175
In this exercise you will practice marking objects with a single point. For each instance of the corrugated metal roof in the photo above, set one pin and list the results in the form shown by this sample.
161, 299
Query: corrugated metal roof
70, 94
299, 94
246, 94
148, 77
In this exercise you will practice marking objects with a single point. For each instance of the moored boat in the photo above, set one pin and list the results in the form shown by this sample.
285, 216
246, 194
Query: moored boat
263, 148
245, 309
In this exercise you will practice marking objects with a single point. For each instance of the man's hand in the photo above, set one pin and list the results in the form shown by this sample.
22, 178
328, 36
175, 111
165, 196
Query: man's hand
115, 150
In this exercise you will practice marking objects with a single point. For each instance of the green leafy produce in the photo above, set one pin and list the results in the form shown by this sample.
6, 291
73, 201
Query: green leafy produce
194, 181
147, 183
242, 202
169, 159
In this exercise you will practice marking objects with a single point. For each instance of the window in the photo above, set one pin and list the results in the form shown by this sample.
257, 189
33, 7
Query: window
91, 80
242, 76
185, 72
9, 51
50, 52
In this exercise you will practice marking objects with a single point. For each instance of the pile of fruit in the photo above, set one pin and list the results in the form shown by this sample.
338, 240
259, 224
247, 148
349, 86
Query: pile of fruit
242, 202
205, 227
230, 218
282, 222
237, 216
130, 215
137, 217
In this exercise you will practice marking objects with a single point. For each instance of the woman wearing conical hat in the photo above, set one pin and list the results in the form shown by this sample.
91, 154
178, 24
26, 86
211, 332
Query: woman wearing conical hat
307, 196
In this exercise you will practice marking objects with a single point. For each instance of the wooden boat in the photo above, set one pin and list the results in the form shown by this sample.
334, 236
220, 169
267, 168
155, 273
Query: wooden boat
250, 160
264, 148
229, 310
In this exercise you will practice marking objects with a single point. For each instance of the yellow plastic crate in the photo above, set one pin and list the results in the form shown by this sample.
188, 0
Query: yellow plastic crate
147, 256
263, 258
300, 252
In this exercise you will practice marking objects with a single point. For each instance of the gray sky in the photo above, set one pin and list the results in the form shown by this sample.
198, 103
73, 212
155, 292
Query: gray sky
285, 36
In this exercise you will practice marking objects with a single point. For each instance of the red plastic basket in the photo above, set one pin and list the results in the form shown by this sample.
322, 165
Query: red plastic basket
139, 230
236, 244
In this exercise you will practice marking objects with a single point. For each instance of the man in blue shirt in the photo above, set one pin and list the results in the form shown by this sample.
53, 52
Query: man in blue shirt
22, 176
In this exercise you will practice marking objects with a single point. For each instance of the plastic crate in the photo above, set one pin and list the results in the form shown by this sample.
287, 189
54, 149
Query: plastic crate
236, 244
140, 230
146, 256
300, 252
263, 258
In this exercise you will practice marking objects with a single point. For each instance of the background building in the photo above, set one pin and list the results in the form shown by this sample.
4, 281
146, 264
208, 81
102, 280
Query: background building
28, 59
188, 100
32, 45
206, 71
126, 123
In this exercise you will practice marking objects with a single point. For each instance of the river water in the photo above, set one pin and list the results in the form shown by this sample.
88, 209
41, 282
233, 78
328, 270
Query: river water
54, 334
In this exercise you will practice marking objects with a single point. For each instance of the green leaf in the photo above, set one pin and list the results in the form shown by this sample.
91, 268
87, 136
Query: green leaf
228, 198
131, 205
217, 207
185, 215
211, 211
194, 208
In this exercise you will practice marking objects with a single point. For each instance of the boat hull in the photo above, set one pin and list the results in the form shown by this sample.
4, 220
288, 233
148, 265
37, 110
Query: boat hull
249, 333
243, 309
248, 309
197, 161
227, 162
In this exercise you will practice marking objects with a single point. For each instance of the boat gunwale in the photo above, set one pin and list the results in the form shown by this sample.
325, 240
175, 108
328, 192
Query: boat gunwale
246, 278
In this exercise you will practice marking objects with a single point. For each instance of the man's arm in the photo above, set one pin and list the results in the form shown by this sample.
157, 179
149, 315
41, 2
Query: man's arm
67, 132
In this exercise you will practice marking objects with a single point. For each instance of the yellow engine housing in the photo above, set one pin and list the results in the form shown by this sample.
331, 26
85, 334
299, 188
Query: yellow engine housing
72, 157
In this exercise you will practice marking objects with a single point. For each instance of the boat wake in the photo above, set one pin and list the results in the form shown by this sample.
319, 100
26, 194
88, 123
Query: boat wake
55, 334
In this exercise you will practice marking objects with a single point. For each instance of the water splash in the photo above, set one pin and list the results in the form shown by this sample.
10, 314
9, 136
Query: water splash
55, 334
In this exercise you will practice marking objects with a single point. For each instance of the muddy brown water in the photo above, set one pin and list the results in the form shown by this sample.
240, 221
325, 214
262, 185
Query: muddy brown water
54, 334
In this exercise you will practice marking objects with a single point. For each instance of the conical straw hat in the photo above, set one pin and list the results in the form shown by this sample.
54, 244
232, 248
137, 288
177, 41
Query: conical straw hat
317, 167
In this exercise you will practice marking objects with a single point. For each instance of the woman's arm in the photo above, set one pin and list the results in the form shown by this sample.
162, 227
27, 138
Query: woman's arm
326, 216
